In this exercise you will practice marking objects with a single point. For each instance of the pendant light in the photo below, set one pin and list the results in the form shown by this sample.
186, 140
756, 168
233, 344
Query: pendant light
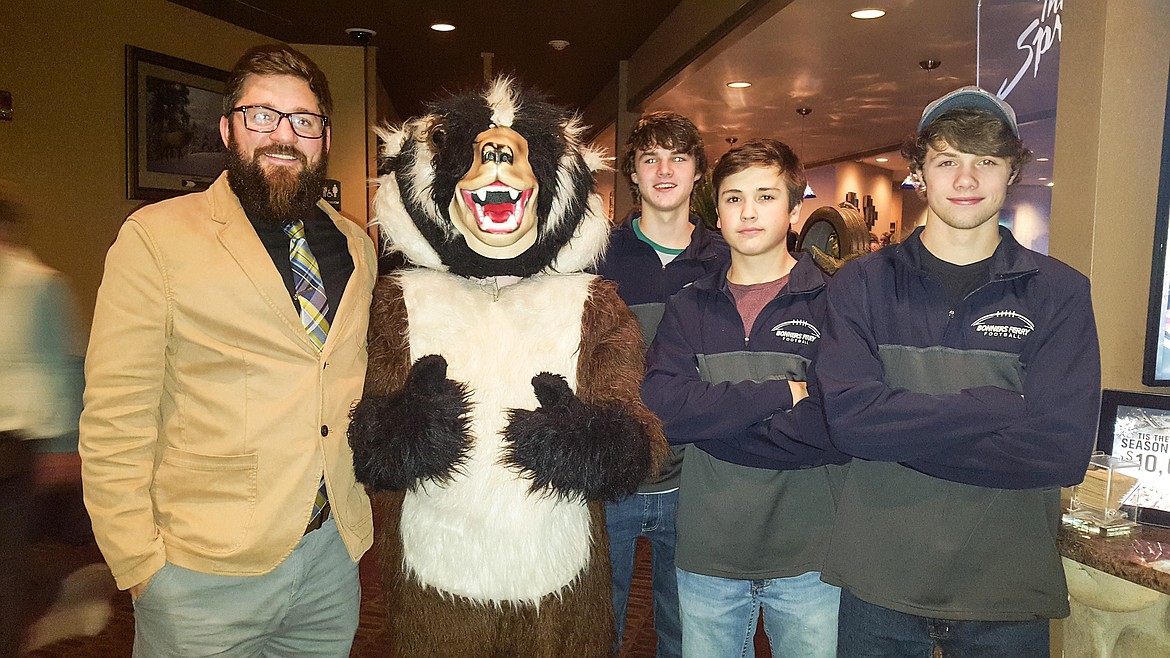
804, 112
927, 65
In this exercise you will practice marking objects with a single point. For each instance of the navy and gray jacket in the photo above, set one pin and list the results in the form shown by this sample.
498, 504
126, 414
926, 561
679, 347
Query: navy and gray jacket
729, 395
967, 419
645, 284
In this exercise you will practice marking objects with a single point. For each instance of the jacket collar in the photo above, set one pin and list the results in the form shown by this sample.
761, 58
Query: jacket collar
239, 238
703, 245
805, 277
1010, 259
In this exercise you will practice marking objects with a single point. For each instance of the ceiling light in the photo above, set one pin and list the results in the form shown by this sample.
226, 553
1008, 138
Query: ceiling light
442, 27
1042, 178
1041, 159
866, 14
881, 159
804, 112
740, 84
360, 36
558, 44
1050, 183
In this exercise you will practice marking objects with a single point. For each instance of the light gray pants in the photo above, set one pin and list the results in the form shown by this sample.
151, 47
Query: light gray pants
308, 606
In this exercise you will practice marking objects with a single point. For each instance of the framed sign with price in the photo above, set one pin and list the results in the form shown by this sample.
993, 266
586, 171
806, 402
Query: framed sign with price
1136, 427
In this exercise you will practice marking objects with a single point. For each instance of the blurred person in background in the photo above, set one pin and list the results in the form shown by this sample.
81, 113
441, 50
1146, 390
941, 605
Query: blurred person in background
39, 400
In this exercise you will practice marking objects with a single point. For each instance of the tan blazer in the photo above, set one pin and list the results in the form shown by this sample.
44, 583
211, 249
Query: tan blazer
209, 414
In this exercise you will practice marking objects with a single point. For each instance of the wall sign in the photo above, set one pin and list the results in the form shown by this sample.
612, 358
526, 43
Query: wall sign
1034, 41
332, 193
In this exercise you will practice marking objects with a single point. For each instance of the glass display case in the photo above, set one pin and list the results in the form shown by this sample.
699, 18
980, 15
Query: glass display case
1098, 499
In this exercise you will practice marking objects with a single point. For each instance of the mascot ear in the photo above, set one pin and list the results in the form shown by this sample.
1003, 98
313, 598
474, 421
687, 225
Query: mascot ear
437, 134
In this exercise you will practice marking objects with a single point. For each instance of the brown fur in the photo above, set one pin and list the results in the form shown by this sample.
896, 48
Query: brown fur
388, 339
611, 365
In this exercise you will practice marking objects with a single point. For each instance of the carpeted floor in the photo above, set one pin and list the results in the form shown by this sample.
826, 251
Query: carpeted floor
51, 562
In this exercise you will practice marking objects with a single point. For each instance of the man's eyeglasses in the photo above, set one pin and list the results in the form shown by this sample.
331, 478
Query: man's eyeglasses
261, 119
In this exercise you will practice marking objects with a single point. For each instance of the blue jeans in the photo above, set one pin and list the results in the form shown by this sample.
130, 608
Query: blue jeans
719, 615
650, 516
870, 630
307, 606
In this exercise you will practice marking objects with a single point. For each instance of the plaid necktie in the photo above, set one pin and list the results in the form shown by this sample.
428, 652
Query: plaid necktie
311, 294
307, 280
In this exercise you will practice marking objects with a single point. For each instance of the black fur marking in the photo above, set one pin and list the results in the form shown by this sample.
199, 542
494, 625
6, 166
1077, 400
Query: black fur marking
419, 433
462, 118
580, 451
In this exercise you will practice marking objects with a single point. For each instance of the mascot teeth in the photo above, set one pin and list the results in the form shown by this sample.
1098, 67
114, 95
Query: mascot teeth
498, 208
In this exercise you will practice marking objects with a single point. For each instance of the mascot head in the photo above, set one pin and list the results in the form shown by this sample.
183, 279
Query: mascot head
492, 184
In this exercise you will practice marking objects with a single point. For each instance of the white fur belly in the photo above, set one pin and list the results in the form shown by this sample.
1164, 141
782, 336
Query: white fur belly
484, 536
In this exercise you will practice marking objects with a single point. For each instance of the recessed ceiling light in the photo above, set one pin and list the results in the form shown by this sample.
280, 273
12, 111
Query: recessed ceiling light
865, 14
1042, 178
881, 159
739, 84
1041, 159
442, 27
1050, 183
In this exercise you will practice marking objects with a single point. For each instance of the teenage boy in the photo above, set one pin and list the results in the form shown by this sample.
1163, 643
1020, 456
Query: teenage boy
726, 375
654, 253
963, 370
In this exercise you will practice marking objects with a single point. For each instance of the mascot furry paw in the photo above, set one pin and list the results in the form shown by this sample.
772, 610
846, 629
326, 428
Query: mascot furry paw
502, 403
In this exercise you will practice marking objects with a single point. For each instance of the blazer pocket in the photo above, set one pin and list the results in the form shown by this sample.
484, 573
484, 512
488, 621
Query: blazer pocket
205, 501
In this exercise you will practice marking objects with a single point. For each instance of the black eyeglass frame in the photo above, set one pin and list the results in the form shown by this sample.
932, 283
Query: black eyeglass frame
243, 110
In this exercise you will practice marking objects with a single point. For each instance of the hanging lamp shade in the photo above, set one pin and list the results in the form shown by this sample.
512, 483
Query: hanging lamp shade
804, 112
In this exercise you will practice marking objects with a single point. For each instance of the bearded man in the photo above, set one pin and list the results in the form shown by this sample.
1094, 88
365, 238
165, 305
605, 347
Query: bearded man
228, 345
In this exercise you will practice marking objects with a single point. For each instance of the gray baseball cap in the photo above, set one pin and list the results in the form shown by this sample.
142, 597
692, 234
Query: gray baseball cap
970, 97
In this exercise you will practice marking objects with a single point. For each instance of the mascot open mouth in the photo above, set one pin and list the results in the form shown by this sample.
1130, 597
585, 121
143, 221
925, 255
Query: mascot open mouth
498, 208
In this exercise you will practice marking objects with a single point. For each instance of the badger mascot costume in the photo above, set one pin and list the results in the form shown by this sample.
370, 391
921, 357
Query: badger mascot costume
501, 405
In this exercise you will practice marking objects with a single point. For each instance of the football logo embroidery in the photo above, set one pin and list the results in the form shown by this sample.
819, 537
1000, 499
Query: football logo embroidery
1004, 324
802, 332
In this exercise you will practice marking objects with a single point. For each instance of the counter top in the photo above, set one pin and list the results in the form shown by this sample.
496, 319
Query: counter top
1143, 558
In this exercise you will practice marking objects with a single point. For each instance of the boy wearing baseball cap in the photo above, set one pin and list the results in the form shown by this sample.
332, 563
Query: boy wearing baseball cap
962, 372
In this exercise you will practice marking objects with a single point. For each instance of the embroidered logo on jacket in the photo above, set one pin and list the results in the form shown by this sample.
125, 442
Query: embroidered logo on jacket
1004, 324
801, 332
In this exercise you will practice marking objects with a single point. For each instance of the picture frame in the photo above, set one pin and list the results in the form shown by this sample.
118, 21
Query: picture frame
1136, 427
173, 106
1156, 360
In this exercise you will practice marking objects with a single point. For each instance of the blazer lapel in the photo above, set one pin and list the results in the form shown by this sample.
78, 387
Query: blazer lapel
240, 240
355, 241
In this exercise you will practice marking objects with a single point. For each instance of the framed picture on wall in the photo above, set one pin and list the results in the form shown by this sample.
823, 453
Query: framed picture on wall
173, 108
1135, 427
1156, 365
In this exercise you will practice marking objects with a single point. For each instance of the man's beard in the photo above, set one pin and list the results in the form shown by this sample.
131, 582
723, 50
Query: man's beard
280, 195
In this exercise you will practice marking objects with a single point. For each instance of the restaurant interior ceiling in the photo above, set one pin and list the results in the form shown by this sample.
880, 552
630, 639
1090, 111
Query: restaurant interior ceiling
417, 63
861, 78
